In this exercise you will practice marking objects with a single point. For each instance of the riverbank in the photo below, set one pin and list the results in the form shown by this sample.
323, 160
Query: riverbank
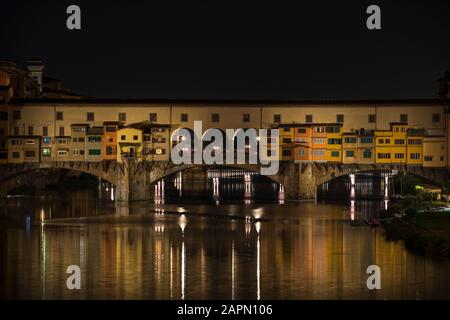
426, 232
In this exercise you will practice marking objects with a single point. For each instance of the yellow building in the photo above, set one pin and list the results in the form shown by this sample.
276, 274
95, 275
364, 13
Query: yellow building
129, 143
366, 147
391, 144
334, 142
286, 142
350, 147
435, 151
415, 146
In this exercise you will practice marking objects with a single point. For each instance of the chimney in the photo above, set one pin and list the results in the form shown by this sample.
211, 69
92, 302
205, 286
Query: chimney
35, 68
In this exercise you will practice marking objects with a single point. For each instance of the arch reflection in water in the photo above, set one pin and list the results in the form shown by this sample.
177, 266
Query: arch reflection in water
219, 186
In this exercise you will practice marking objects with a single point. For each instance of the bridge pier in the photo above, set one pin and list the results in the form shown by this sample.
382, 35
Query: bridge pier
307, 184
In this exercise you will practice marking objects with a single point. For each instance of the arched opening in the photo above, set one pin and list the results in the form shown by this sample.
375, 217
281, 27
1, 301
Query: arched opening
218, 185
47, 181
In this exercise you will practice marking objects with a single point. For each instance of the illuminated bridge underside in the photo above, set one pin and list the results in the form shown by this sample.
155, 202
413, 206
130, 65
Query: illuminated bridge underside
134, 180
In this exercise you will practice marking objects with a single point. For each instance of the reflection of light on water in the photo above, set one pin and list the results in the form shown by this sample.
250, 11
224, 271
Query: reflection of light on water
82, 250
182, 222
352, 179
232, 270
281, 194
159, 192
386, 183
258, 261
352, 210
183, 269
216, 195
112, 194
159, 212
258, 212
159, 228
248, 228
171, 272
352, 192
42, 215
386, 192
178, 183
27, 224
43, 248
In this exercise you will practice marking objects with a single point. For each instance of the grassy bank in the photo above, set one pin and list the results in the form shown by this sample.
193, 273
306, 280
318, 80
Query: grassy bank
424, 232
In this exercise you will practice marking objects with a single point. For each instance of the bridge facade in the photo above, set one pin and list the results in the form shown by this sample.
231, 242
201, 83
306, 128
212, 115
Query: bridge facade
135, 180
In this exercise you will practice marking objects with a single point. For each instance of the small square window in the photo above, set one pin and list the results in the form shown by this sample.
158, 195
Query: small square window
153, 117
16, 115
59, 115
215, 117
184, 117
246, 117
122, 116
309, 118
339, 118
372, 118
436, 118
90, 116
404, 118
277, 118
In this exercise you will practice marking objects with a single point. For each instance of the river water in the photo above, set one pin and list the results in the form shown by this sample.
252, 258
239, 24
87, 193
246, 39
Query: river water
243, 248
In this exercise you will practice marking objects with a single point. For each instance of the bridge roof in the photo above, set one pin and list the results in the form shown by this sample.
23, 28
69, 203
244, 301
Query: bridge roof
233, 102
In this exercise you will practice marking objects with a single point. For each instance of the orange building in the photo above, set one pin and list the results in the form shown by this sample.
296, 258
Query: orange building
319, 143
303, 143
109, 141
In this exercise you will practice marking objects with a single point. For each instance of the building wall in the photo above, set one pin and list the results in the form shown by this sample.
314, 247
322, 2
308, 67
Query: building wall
435, 152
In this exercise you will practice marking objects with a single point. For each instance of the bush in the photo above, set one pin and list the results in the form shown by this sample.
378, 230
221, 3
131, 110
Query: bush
395, 208
385, 214
411, 213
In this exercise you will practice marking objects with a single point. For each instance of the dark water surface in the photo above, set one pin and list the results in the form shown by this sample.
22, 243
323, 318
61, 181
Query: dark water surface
296, 251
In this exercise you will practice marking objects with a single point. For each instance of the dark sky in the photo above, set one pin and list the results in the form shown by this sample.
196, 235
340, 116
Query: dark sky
234, 49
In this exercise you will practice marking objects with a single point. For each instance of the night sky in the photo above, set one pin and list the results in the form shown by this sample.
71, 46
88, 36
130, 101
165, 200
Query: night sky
215, 49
